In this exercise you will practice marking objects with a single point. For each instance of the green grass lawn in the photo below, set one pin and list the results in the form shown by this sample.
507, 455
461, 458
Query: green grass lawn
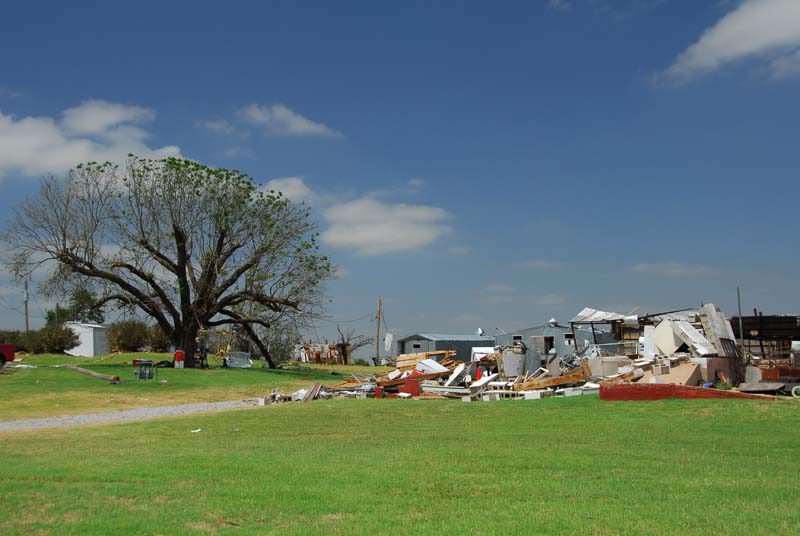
44, 392
557, 466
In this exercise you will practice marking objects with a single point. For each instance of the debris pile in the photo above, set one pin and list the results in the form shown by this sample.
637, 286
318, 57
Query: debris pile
675, 354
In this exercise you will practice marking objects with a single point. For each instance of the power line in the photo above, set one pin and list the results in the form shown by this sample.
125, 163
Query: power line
8, 305
314, 327
370, 315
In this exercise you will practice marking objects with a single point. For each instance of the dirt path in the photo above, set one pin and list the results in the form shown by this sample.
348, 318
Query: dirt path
136, 414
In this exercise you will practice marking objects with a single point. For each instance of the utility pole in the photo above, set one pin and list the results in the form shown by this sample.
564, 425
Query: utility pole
378, 334
741, 331
25, 295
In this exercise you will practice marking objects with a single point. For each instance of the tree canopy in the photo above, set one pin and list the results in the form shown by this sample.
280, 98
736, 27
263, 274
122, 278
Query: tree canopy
192, 247
81, 308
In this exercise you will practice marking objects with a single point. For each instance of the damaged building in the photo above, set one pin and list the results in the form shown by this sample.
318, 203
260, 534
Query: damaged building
420, 343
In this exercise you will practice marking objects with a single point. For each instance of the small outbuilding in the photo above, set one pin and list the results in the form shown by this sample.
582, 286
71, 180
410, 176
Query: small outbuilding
432, 342
93, 339
545, 345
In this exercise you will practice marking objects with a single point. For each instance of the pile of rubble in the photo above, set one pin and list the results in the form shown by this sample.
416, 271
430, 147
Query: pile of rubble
432, 375
686, 354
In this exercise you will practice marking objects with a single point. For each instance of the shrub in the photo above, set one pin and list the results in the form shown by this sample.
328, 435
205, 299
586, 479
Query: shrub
157, 339
52, 339
360, 362
128, 335
17, 338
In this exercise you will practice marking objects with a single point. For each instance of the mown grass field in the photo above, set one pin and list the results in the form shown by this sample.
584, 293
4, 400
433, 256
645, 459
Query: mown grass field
45, 392
557, 466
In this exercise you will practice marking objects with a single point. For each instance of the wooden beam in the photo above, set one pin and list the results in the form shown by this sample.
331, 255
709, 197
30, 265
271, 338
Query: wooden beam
574, 376
112, 379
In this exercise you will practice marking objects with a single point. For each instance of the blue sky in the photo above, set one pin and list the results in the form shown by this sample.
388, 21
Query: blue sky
472, 164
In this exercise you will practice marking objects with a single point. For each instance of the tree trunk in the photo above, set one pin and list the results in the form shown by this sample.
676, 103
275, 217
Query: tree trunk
188, 346
261, 346
184, 339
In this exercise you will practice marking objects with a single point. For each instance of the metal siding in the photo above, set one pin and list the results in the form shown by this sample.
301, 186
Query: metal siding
407, 346
507, 339
102, 345
462, 345
463, 348
533, 358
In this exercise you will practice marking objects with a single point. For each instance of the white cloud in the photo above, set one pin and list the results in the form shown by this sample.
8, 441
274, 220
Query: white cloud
293, 188
371, 227
767, 28
95, 130
281, 121
499, 288
786, 66
10, 93
97, 116
559, 5
237, 151
543, 264
411, 186
672, 268
221, 126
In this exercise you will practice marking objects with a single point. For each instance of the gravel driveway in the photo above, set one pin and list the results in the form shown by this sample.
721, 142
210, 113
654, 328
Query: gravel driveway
136, 414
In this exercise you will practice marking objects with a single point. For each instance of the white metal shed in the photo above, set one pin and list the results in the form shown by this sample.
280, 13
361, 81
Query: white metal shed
93, 340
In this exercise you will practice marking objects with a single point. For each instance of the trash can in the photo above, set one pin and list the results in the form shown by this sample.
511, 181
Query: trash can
178, 359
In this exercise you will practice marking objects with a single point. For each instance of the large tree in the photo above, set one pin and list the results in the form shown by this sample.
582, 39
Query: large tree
188, 245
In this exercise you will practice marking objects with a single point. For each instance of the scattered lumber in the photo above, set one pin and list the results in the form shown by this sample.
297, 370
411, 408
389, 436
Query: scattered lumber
312, 392
577, 375
400, 381
628, 377
409, 361
112, 379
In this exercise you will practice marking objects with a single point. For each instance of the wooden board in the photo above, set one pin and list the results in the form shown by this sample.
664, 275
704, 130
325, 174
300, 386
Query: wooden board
574, 376
394, 383
409, 361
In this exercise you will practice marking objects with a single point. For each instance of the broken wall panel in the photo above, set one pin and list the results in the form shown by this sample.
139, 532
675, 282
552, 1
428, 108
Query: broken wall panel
665, 339
693, 338
718, 330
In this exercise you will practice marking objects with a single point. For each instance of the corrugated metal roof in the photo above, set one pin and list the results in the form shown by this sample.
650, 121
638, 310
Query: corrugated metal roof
448, 337
678, 315
593, 315
85, 325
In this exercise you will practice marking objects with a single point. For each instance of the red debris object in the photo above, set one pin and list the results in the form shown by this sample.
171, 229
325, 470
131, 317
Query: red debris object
781, 372
6, 353
663, 391
411, 386
379, 392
